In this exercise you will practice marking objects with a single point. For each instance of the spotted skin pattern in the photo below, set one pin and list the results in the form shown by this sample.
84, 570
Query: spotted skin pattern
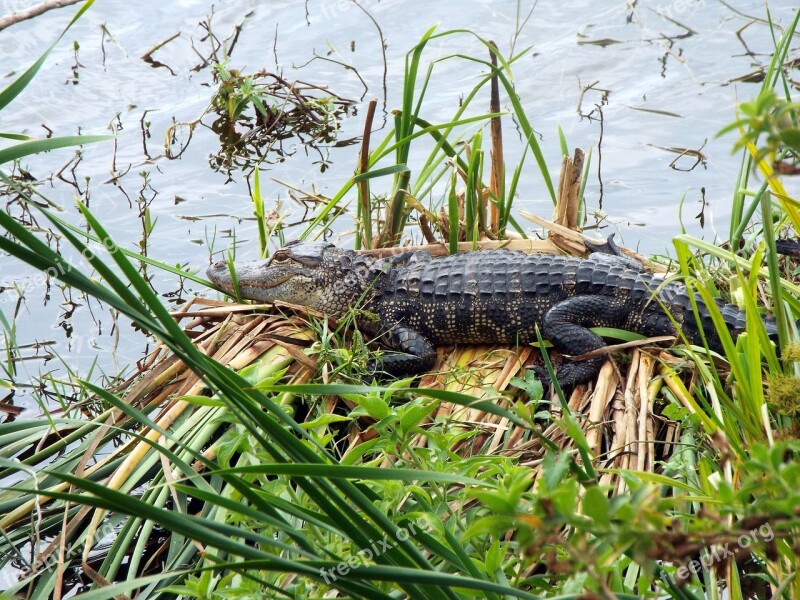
413, 302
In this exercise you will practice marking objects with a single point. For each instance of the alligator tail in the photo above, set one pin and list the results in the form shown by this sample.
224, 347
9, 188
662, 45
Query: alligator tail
736, 320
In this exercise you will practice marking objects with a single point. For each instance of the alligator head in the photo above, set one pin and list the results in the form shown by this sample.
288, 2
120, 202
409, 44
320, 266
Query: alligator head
316, 275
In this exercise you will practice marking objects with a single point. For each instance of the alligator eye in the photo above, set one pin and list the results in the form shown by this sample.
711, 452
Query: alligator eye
280, 256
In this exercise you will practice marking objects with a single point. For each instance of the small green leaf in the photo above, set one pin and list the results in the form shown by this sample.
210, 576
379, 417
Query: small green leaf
562, 140
555, 467
375, 406
412, 415
496, 501
530, 385
565, 498
791, 137
322, 420
596, 506
675, 412
486, 526
17, 136
202, 401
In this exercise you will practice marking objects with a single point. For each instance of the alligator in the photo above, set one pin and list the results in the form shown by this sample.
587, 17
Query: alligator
412, 302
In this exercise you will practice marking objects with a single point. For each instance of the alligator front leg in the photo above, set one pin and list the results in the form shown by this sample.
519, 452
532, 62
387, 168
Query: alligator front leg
566, 326
418, 355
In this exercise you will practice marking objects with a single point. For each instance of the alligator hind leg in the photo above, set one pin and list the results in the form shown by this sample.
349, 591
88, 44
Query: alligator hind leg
612, 259
566, 326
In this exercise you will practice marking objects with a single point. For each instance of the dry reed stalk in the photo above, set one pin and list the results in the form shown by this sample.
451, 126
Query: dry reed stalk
363, 185
569, 191
23, 14
599, 401
572, 241
626, 439
646, 450
496, 156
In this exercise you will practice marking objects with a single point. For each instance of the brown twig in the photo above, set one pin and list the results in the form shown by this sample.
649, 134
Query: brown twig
383, 53
624, 346
34, 11
148, 56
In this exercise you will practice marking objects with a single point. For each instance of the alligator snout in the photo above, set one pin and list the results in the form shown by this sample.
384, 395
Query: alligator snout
218, 272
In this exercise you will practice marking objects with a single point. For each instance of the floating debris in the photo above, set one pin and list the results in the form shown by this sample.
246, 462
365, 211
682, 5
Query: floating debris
257, 113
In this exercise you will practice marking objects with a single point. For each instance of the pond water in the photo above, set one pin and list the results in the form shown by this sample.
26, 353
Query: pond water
664, 74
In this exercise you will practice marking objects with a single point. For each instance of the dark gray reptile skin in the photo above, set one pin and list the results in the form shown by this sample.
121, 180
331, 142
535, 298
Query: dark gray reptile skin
413, 302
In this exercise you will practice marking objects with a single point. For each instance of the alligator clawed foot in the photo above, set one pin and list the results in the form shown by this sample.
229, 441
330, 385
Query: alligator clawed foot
372, 374
609, 246
542, 375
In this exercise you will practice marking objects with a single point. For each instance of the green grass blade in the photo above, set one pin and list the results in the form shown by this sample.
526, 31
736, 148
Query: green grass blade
373, 173
452, 214
35, 147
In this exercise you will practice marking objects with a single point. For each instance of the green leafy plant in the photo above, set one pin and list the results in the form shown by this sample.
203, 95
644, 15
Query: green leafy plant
770, 122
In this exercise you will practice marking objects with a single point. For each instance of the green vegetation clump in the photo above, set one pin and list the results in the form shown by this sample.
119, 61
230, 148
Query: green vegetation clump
784, 395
